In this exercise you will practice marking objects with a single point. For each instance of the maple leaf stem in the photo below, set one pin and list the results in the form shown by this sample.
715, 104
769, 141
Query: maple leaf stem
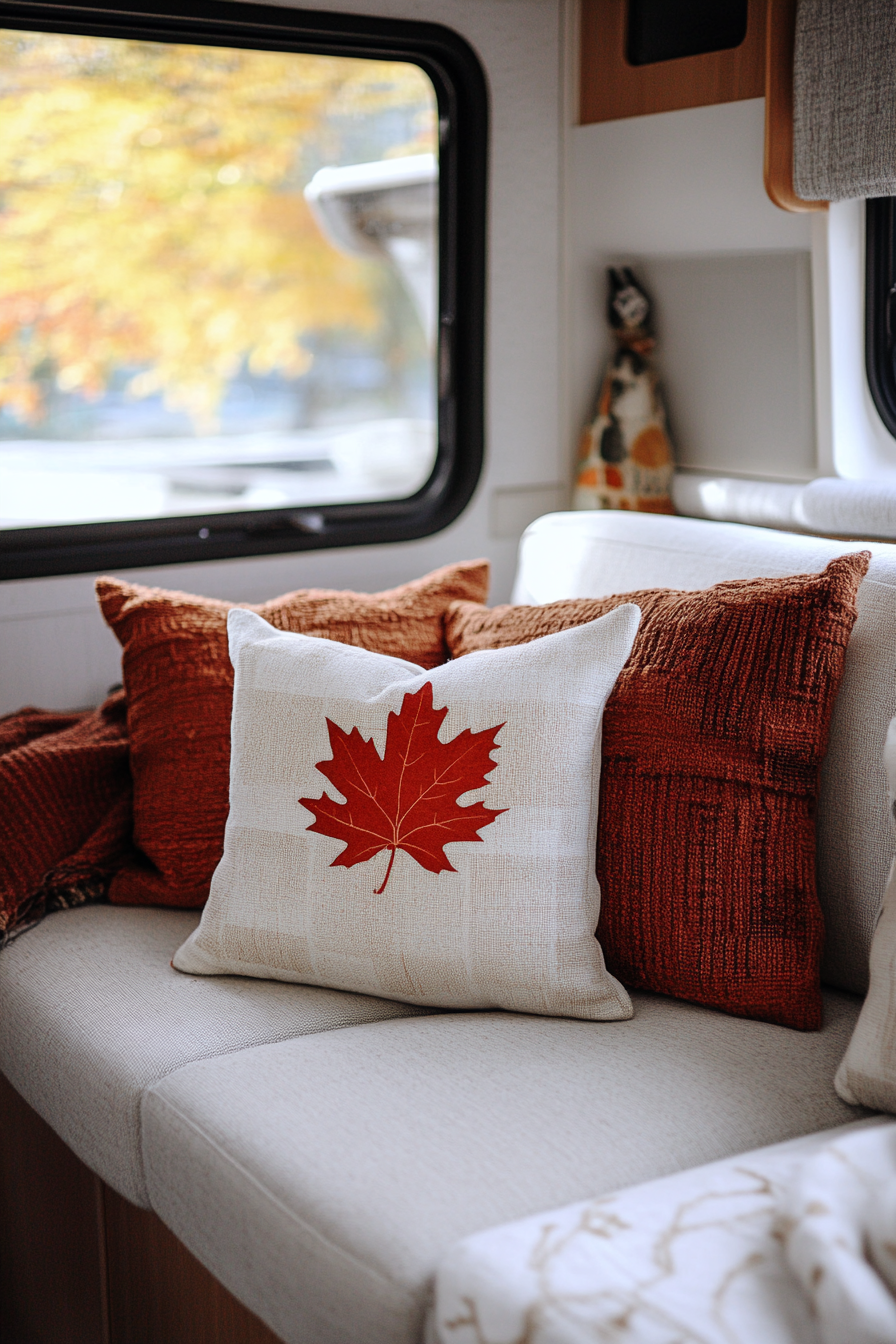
379, 891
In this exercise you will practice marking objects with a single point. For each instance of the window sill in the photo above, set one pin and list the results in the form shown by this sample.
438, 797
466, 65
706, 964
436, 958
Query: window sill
827, 506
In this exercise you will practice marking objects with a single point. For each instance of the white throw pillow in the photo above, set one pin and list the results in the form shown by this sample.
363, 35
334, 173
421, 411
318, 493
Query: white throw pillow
867, 1075
351, 773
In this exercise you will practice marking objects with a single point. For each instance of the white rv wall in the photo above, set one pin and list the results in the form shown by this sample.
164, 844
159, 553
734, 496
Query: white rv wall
680, 196
54, 648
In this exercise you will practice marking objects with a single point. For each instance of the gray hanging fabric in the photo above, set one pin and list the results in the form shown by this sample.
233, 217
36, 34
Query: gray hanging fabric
844, 99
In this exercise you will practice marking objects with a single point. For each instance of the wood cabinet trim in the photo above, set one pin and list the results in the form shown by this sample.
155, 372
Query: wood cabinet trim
610, 88
781, 25
51, 1235
80, 1264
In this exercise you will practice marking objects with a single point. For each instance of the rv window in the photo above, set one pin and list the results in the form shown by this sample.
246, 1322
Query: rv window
237, 311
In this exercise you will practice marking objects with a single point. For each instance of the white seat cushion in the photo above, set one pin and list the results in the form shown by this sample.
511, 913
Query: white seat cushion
322, 1179
596, 554
91, 1013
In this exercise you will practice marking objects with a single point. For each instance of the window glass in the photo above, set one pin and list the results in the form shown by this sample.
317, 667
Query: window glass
880, 307
218, 279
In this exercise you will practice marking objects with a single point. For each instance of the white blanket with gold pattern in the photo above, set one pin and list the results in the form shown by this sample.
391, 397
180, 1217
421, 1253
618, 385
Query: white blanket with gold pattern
794, 1244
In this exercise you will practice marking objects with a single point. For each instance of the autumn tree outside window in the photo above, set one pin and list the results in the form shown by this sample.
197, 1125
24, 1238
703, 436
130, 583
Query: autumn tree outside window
241, 283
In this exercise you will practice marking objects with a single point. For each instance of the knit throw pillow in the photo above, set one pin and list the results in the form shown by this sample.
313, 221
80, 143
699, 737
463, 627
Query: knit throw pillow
713, 742
424, 836
179, 684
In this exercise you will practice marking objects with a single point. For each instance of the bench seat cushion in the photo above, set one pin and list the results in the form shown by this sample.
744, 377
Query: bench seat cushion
322, 1179
91, 1014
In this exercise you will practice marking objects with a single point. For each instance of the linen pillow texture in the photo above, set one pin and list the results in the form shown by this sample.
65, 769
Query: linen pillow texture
713, 741
423, 836
867, 1074
179, 685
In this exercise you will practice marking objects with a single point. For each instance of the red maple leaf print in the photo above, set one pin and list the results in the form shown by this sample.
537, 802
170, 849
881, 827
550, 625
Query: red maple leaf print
408, 799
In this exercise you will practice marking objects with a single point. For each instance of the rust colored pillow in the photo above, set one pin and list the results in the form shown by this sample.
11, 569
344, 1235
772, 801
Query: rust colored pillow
713, 739
179, 684
65, 813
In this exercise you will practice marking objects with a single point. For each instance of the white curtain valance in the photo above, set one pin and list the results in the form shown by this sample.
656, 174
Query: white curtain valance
844, 99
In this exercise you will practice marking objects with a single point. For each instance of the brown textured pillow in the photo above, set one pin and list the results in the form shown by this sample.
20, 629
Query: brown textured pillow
713, 740
179, 684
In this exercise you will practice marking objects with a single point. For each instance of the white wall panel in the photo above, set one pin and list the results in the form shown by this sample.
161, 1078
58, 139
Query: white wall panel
688, 185
67, 660
735, 350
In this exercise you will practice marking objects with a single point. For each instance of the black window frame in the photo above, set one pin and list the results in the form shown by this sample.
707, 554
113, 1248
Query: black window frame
880, 306
461, 92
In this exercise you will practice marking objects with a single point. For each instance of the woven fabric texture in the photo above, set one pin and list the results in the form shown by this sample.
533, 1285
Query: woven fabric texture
180, 688
844, 99
455, 866
713, 741
65, 811
29, 723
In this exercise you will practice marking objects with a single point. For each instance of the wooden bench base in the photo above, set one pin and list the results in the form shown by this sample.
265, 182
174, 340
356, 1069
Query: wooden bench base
81, 1265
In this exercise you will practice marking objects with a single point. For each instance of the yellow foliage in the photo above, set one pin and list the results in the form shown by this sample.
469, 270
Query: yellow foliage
151, 211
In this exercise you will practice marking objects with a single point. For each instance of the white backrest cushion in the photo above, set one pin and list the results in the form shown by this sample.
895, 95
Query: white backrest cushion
867, 1074
596, 554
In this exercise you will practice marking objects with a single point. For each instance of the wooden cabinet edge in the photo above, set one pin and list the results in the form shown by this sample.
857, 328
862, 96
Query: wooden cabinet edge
778, 170
610, 89
79, 1264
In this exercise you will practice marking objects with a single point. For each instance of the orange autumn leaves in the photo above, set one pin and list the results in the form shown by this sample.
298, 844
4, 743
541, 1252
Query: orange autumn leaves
408, 798
152, 215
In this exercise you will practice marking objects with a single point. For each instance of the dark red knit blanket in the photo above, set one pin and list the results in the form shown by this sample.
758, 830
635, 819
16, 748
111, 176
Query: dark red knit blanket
65, 809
